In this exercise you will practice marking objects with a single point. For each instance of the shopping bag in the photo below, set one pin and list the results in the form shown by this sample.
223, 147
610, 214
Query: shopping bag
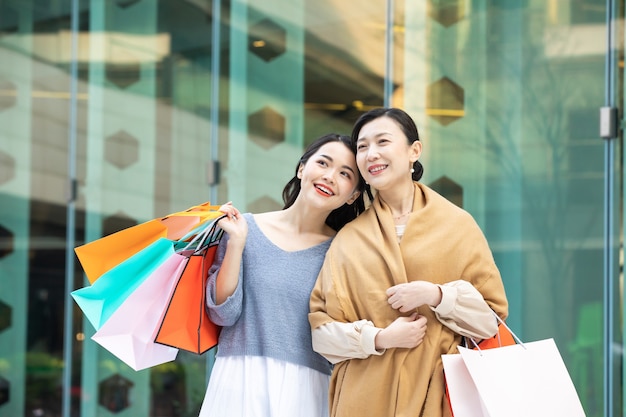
102, 254
130, 331
523, 379
99, 300
504, 337
458, 380
186, 324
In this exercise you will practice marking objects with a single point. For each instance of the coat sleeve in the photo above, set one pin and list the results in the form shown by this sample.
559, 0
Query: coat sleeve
464, 311
338, 341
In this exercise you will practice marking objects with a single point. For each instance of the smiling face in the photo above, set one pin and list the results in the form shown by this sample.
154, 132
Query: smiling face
384, 155
329, 177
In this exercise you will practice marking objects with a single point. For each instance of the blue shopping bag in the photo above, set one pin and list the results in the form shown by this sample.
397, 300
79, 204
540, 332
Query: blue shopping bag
99, 300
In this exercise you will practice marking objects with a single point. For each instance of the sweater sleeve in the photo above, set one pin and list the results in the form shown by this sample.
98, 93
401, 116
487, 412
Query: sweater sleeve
464, 311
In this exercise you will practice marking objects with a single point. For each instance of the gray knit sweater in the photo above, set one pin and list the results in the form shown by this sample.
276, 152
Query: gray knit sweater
267, 315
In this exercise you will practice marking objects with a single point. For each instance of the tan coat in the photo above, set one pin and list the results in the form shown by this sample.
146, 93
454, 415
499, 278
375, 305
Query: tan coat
442, 243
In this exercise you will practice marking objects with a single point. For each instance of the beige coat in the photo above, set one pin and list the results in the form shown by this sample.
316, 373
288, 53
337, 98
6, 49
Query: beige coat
442, 243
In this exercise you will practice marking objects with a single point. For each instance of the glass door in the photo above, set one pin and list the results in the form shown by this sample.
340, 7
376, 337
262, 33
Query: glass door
506, 94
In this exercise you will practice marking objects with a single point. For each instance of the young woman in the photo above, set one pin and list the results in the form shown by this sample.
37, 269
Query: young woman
260, 285
401, 284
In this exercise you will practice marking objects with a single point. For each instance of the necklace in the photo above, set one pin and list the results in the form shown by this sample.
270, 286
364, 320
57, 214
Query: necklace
402, 215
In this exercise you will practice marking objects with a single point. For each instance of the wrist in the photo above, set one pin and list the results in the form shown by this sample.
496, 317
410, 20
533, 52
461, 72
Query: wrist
379, 340
437, 296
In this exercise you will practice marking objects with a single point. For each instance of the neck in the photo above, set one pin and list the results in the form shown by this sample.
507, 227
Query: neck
304, 220
400, 201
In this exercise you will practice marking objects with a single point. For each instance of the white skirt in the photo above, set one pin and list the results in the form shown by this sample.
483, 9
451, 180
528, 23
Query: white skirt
257, 386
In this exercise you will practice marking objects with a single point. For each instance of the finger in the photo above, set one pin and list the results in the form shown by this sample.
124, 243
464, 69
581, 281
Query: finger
391, 290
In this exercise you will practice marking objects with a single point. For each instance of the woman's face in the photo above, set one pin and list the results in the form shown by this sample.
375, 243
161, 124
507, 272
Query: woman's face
384, 155
329, 177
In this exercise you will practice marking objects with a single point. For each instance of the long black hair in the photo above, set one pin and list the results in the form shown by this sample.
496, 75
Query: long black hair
404, 121
341, 215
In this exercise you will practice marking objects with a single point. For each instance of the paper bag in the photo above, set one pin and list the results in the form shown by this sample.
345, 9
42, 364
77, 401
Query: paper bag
521, 380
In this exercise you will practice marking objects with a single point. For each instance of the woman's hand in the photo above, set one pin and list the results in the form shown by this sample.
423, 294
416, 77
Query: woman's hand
403, 332
234, 224
409, 296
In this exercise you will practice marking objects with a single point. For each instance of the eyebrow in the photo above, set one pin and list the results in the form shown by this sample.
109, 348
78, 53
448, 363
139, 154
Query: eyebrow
362, 138
332, 160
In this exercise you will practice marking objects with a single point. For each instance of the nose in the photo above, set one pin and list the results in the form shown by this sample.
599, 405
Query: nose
329, 176
372, 154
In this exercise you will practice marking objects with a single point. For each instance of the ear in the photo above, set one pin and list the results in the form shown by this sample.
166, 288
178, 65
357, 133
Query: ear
415, 151
299, 173
353, 197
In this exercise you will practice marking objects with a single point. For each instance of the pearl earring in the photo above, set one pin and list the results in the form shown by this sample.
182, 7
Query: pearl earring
412, 170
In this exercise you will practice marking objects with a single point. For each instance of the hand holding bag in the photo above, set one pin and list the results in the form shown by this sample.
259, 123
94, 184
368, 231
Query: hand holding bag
519, 380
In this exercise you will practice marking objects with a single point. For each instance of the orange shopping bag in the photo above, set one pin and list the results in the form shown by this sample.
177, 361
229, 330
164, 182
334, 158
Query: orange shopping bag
101, 255
186, 324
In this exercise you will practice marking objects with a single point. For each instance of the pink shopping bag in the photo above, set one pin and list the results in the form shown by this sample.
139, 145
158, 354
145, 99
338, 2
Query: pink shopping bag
130, 331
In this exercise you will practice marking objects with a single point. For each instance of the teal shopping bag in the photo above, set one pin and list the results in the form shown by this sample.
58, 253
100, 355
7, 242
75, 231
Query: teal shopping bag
99, 300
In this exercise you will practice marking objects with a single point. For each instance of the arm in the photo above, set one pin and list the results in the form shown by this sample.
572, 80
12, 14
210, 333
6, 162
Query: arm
338, 341
342, 341
458, 305
464, 311
224, 292
228, 276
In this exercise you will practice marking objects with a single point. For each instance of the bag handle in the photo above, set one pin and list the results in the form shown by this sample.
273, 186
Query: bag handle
200, 239
500, 321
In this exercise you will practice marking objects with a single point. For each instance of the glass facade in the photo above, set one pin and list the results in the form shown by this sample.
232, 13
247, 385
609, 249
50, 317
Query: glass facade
113, 112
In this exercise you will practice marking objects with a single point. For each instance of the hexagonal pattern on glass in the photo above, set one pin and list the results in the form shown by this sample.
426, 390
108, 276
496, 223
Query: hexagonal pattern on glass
446, 12
114, 393
117, 222
267, 40
4, 391
445, 101
6, 241
123, 75
263, 204
449, 189
126, 3
5, 316
266, 127
121, 149
7, 167
9, 19
8, 94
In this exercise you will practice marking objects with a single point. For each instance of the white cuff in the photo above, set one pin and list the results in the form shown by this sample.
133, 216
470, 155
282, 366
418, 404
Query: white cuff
449, 295
368, 339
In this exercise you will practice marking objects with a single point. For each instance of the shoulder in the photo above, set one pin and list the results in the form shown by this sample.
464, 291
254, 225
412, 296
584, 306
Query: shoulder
354, 230
442, 205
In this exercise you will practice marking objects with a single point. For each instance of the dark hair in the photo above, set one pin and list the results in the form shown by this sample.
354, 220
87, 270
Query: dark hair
341, 215
403, 120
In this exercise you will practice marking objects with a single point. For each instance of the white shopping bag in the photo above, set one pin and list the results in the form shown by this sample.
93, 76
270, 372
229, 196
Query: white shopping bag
521, 380
462, 393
